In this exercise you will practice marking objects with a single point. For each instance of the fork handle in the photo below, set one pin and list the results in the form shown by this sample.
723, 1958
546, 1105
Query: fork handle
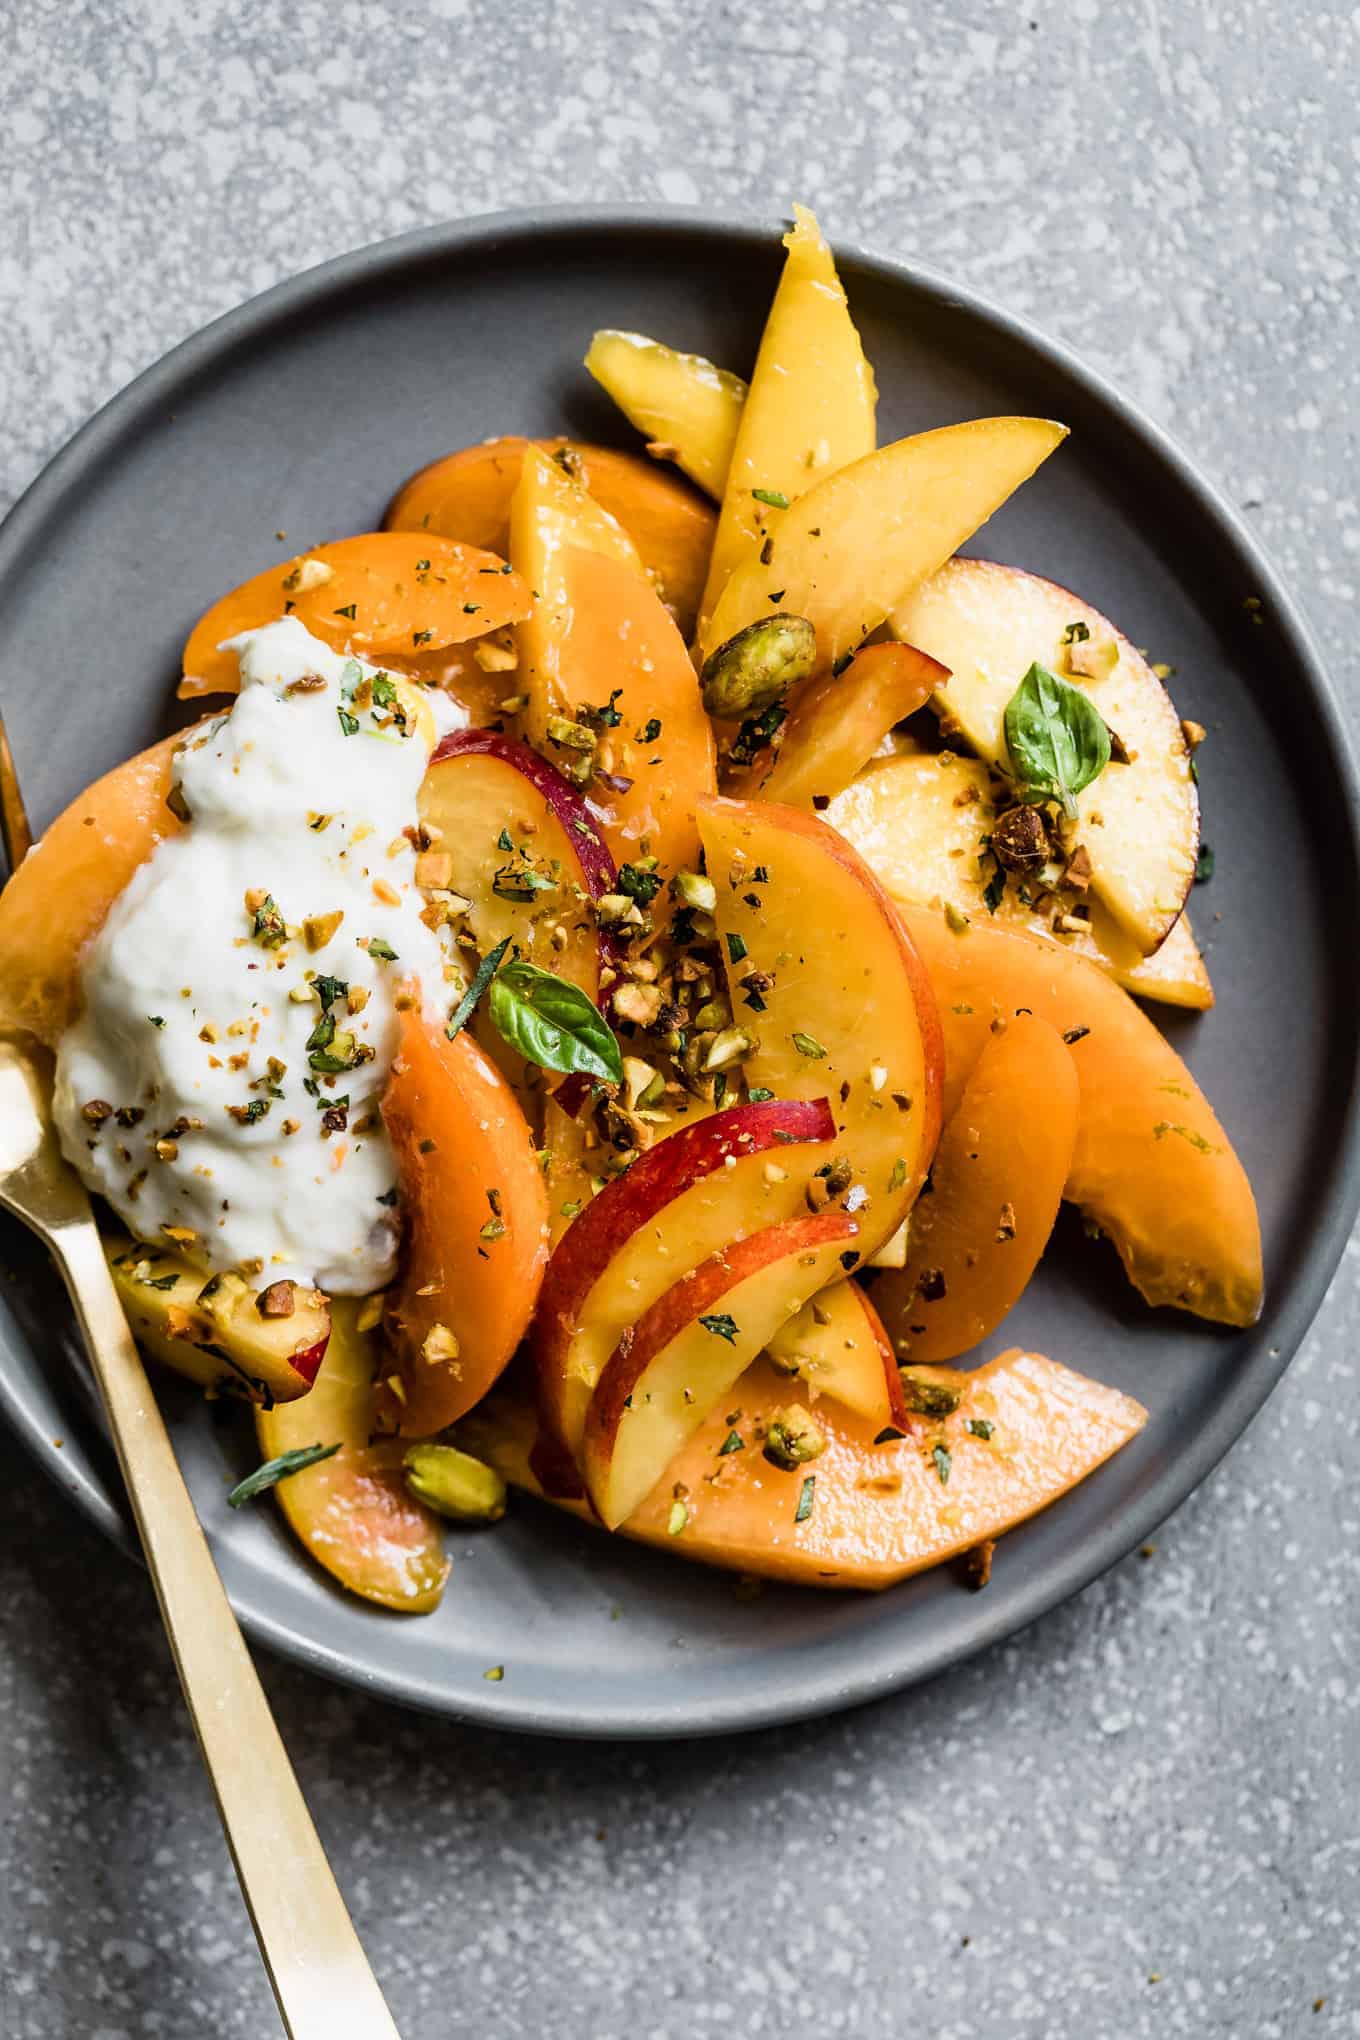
322, 1982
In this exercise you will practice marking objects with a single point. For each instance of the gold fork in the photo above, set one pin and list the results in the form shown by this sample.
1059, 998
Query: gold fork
322, 1982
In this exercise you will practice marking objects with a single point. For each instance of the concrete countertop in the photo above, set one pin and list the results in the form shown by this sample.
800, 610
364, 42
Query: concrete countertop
1140, 1817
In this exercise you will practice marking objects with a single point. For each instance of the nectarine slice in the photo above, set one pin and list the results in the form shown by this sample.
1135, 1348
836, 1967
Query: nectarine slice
810, 408
688, 409
850, 550
61, 894
209, 1329
828, 979
837, 1346
840, 719
378, 593
466, 495
476, 1228
1152, 1166
685, 1352
694, 1192
995, 1187
1025, 1432
922, 823
599, 636
353, 1512
1139, 820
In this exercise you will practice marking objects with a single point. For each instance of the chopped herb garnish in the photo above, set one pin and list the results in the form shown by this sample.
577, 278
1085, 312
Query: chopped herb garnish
274, 1470
839, 665
773, 497
980, 1427
268, 927
1204, 865
650, 730
733, 1442
388, 1197
807, 1495
503, 841
889, 1435
156, 1019
758, 1095
1075, 1034
471, 608
736, 949
638, 883
348, 723
328, 990
1076, 634
805, 1045
899, 1174
349, 609
159, 1281
608, 717
721, 1325
995, 889
486, 970
384, 691
943, 1463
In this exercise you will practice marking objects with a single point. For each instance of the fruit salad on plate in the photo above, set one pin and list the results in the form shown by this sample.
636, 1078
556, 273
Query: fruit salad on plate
611, 994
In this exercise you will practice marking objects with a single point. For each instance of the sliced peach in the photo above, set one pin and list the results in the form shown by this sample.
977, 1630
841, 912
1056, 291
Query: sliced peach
467, 496
684, 1353
828, 978
837, 1346
840, 719
210, 1328
922, 822
810, 408
688, 409
696, 1191
600, 637
353, 1512
845, 554
1152, 1167
61, 894
995, 1187
1025, 1432
378, 593
476, 1228
1139, 820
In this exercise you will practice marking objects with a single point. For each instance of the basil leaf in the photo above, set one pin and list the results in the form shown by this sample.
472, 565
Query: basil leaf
1057, 740
275, 1470
553, 1023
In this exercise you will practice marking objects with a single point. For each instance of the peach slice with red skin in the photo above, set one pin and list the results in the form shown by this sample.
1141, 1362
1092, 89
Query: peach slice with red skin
837, 1347
879, 1511
467, 496
1152, 1166
995, 1188
476, 1228
840, 719
353, 1512
695, 1192
827, 977
59, 897
684, 1353
599, 637
380, 592
482, 786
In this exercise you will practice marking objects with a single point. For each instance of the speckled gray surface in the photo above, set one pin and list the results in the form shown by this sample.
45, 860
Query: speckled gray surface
1141, 1817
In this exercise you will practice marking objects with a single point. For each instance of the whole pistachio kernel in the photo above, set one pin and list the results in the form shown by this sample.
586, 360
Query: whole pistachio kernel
927, 1397
755, 669
455, 1484
793, 1438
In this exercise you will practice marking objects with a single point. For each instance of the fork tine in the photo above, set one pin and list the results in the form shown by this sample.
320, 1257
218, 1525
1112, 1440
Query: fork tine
14, 830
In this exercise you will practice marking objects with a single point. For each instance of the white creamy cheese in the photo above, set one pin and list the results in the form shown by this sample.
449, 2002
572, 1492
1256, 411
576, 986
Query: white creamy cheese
203, 1028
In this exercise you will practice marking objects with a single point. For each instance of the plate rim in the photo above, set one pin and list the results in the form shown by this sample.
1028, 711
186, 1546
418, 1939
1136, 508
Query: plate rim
1250, 1387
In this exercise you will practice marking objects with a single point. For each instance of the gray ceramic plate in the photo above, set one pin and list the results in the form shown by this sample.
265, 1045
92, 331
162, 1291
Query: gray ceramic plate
301, 412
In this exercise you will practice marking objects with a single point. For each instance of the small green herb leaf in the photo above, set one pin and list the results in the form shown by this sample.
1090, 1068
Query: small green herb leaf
486, 970
807, 1495
772, 497
758, 1095
1204, 865
274, 1470
943, 1463
1057, 740
553, 1023
733, 1442
981, 1427
721, 1325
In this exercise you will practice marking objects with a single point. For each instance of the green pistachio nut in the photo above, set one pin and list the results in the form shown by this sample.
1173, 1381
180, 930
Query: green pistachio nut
793, 1438
925, 1397
455, 1484
756, 668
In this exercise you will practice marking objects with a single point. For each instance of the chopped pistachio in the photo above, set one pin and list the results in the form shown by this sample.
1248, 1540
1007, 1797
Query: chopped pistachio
454, 1483
318, 929
692, 889
927, 1397
307, 574
793, 1439
439, 1345
755, 669
731, 1045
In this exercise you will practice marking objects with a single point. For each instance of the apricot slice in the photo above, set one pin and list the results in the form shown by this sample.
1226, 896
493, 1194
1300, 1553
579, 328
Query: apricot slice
837, 1346
1026, 1431
467, 496
476, 1228
840, 719
810, 408
827, 978
353, 1512
1139, 820
61, 894
845, 554
922, 823
688, 409
696, 1191
381, 592
599, 636
995, 1187
1152, 1166
684, 1353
